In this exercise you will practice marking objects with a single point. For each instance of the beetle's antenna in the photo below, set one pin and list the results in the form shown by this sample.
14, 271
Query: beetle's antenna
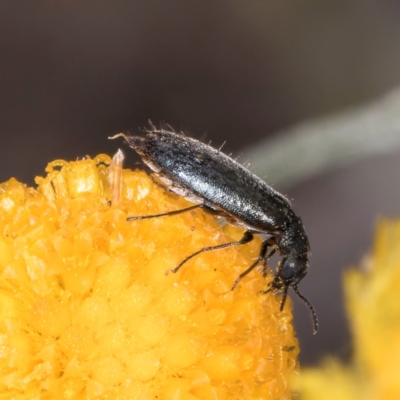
310, 306
285, 290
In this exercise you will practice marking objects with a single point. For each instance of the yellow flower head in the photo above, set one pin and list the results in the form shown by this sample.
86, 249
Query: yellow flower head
90, 309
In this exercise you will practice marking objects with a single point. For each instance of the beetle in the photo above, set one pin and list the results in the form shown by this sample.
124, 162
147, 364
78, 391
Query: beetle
220, 185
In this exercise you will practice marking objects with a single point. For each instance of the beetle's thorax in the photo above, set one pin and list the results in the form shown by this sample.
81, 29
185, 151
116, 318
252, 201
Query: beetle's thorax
294, 241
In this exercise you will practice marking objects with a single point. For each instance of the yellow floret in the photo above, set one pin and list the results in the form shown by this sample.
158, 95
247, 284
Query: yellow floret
91, 310
372, 297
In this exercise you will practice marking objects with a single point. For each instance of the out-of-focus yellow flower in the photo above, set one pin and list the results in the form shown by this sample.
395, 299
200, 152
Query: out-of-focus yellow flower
90, 310
372, 297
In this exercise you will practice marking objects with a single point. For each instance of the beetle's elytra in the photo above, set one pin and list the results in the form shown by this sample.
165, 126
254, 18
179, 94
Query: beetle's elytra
219, 184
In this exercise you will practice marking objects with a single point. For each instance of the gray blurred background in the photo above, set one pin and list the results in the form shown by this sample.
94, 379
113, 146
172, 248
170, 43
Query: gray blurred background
73, 73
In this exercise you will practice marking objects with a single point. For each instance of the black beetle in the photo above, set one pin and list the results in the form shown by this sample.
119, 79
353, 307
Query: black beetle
222, 186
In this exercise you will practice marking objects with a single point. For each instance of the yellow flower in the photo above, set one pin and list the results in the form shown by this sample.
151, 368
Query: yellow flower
90, 310
372, 297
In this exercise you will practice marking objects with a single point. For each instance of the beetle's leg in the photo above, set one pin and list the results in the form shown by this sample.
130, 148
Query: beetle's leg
264, 268
280, 264
271, 243
284, 296
275, 284
246, 238
169, 213
261, 256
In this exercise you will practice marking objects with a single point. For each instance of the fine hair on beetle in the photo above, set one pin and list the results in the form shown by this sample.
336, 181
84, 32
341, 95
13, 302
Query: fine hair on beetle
222, 186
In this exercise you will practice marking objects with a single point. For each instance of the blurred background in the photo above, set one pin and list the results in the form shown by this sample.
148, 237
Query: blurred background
73, 73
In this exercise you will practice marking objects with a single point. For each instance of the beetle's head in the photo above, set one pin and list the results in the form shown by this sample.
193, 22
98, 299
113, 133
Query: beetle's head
290, 272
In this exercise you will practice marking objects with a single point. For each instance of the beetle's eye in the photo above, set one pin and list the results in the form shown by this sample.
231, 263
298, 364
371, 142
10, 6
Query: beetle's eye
294, 270
288, 269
